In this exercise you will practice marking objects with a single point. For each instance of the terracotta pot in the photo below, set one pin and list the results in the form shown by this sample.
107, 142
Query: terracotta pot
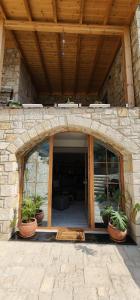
39, 216
115, 234
28, 229
105, 220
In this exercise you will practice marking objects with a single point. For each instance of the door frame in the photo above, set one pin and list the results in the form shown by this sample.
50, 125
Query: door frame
91, 215
90, 143
91, 198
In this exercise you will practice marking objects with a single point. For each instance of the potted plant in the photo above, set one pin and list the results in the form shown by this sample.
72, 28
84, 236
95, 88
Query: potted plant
39, 214
28, 225
117, 227
106, 214
135, 210
14, 104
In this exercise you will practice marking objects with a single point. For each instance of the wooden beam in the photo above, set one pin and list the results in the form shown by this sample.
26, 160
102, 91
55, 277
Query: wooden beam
129, 85
95, 62
82, 5
2, 46
37, 42
58, 43
2, 12
64, 28
108, 12
54, 8
77, 63
27, 9
100, 44
51, 142
91, 203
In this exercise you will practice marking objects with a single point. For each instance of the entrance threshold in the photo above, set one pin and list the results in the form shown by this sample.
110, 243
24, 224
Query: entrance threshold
91, 237
86, 230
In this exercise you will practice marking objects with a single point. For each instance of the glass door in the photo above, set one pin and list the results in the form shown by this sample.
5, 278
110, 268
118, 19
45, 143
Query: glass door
38, 180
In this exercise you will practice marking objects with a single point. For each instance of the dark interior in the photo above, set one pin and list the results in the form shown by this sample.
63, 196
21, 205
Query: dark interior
69, 192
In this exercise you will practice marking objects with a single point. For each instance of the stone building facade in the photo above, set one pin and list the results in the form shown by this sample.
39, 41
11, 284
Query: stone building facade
22, 129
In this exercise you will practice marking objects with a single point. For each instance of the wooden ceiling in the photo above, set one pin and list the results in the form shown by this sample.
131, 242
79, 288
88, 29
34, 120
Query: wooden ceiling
62, 62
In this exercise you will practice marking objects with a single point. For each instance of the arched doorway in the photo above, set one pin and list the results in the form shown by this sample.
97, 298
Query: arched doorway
76, 175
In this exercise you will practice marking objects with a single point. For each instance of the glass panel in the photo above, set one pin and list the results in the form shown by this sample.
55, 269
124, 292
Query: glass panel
36, 176
106, 180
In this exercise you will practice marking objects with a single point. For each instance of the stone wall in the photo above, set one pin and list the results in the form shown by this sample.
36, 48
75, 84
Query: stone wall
113, 89
11, 70
16, 77
26, 91
22, 129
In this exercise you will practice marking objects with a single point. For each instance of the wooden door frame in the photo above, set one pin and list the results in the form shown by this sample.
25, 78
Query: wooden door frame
91, 216
51, 142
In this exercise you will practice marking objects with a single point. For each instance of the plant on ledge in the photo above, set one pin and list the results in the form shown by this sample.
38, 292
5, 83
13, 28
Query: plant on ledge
28, 225
14, 104
117, 227
106, 214
39, 214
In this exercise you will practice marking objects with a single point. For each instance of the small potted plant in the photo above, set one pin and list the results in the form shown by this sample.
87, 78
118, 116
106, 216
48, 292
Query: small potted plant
28, 225
39, 214
14, 104
106, 214
117, 227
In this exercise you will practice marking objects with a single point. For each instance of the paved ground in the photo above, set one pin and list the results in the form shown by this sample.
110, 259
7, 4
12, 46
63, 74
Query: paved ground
68, 271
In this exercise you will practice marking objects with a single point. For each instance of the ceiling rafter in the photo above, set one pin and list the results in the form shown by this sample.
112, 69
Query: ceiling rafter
77, 63
58, 42
37, 42
64, 27
100, 44
108, 12
96, 59
82, 5
18, 46
54, 8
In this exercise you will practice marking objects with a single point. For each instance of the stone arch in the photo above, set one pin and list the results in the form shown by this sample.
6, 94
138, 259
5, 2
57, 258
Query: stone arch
47, 128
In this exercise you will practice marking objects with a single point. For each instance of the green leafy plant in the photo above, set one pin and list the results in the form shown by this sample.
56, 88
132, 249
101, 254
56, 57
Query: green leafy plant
38, 201
105, 214
119, 220
28, 210
134, 212
106, 211
101, 197
14, 103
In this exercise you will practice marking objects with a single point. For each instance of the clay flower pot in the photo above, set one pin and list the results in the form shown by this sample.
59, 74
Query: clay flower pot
39, 216
115, 234
28, 229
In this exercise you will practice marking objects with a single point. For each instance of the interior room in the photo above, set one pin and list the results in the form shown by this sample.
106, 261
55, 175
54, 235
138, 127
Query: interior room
70, 198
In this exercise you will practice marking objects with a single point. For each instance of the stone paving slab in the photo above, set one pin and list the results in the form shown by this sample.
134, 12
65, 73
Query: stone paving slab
68, 271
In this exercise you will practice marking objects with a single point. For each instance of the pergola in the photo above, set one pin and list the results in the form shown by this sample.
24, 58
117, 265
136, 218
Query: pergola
69, 46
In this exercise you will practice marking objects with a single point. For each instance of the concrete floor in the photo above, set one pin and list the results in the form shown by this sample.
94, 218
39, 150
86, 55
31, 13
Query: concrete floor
74, 216
68, 271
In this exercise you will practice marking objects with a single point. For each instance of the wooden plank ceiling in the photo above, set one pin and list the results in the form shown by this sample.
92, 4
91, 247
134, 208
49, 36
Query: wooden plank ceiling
62, 63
